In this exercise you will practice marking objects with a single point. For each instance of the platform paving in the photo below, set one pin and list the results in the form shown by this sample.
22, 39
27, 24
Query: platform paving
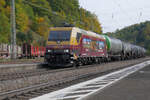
134, 87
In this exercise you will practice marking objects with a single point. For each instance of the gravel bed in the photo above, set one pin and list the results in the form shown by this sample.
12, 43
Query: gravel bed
55, 77
21, 61
20, 68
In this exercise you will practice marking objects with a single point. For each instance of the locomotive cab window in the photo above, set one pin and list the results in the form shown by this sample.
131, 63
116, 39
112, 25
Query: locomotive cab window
59, 36
78, 37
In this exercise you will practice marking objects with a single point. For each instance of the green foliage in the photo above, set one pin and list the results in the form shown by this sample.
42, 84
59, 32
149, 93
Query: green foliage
22, 19
138, 34
4, 28
24, 38
34, 17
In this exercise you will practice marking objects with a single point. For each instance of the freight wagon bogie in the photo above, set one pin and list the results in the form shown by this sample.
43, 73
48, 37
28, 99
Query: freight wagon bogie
126, 50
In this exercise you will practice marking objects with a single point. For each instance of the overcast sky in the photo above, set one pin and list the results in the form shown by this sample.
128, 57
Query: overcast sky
116, 14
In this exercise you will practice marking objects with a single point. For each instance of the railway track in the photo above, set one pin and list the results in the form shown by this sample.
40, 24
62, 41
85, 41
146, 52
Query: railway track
34, 72
48, 80
16, 75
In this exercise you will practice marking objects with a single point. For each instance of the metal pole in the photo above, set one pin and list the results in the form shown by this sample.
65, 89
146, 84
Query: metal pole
13, 30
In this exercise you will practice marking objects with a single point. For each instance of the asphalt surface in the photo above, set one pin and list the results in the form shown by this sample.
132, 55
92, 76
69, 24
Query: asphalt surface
134, 87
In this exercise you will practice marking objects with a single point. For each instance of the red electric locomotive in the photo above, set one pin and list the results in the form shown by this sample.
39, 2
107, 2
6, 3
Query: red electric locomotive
73, 46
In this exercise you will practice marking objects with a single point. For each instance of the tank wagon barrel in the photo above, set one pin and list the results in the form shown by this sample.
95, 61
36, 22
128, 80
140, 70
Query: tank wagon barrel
126, 50
115, 45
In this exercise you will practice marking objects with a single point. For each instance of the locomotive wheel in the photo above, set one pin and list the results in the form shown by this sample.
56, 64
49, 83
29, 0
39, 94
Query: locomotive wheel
96, 60
99, 61
75, 64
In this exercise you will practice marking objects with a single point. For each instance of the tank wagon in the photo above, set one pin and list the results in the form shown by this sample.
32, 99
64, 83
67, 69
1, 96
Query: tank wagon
114, 48
126, 50
74, 46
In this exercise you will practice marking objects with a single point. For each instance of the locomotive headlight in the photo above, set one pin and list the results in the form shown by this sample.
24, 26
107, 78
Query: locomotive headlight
49, 50
66, 51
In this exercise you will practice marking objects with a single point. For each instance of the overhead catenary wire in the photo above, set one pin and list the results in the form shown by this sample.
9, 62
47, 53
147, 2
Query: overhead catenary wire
124, 11
140, 14
113, 14
35, 5
46, 9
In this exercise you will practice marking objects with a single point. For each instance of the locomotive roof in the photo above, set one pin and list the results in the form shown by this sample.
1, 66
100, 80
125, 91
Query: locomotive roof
76, 29
90, 33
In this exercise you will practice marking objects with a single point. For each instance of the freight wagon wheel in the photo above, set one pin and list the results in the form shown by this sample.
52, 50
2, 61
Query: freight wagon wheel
122, 58
119, 58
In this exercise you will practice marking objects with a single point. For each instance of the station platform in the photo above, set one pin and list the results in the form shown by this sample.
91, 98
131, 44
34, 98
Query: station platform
134, 87
18, 65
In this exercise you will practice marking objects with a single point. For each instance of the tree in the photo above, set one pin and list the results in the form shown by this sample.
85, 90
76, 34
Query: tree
22, 19
4, 28
36, 16
138, 34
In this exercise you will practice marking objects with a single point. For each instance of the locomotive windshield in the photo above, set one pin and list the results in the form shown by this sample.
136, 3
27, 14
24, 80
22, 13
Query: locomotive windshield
59, 36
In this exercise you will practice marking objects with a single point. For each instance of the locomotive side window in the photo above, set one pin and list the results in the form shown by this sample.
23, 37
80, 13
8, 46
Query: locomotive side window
78, 37
59, 36
100, 44
93, 45
86, 42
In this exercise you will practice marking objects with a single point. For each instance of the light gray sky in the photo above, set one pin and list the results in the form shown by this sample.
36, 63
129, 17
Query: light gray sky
116, 14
